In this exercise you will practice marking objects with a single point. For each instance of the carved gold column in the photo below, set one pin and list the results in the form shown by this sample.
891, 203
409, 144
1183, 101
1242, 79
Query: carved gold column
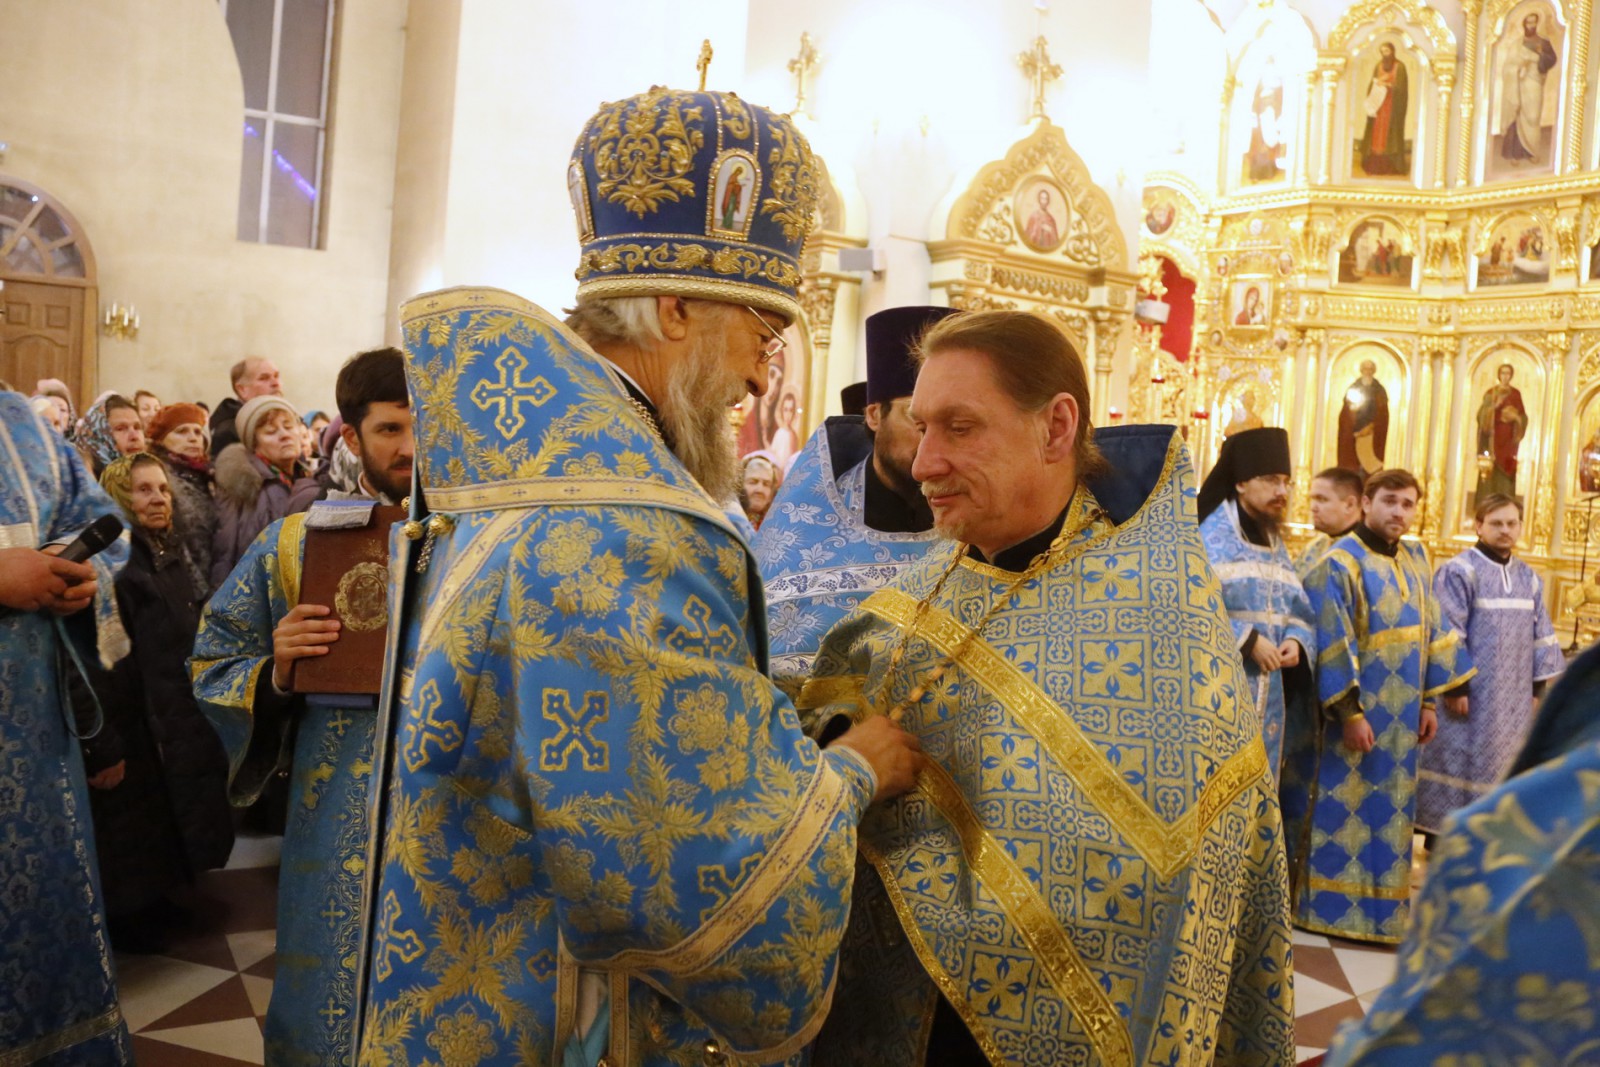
1469, 84
1542, 522
1452, 357
1447, 80
1328, 69
1442, 355
1580, 83
1229, 84
1105, 333
1315, 414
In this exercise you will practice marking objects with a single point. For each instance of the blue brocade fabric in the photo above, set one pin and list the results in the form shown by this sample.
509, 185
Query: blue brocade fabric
818, 557
1500, 612
58, 997
1264, 595
1348, 816
1090, 870
588, 773
310, 1020
1499, 963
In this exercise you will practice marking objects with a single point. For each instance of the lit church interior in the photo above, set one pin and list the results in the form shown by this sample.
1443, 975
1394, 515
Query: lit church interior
1373, 224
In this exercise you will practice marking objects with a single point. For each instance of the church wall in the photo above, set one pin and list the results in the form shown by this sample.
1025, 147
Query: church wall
530, 74
130, 113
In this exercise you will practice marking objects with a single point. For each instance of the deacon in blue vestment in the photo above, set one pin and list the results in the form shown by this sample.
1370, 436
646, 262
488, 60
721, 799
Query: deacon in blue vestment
1090, 870
1499, 964
1335, 503
58, 997
850, 516
1350, 775
601, 831
1496, 602
1242, 503
252, 632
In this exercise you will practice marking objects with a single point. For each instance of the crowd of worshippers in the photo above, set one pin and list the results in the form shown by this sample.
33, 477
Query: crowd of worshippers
999, 741
195, 488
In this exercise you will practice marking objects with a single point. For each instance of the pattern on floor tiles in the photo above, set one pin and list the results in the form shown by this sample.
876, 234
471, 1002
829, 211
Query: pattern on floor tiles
202, 1002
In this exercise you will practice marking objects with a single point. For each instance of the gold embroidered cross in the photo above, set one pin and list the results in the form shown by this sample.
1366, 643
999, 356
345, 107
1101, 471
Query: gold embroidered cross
701, 638
511, 392
575, 731
404, 945
424, 727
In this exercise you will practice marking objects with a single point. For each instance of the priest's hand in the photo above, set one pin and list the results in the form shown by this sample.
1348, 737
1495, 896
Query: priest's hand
1429, 725
1456, 706
31, 580
895, 755
1289, 654
1267, 656
300, 634
1358, 735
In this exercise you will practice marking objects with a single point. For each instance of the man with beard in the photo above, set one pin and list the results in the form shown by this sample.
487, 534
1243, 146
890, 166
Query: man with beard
1496, 602
850, 516
1089, 870
1335, 510
252, 632
1350, 775
1242, 507
603, 833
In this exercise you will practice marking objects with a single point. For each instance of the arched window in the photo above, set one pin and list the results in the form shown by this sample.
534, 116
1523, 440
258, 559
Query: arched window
36, 238
284, 48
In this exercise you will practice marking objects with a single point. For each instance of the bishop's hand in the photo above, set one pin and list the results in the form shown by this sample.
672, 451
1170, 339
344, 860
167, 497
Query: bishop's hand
895, 755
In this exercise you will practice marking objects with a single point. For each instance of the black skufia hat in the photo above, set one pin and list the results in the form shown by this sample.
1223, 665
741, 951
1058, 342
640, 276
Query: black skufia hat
891, 336
1244, 455
853, 399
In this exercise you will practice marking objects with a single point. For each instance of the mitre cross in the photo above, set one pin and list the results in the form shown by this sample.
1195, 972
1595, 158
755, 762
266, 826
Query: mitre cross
703, 64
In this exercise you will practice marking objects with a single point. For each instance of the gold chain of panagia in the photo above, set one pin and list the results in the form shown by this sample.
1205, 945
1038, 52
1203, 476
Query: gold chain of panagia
1041, 563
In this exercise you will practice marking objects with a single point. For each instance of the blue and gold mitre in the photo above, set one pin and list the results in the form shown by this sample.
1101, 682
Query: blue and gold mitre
695, 194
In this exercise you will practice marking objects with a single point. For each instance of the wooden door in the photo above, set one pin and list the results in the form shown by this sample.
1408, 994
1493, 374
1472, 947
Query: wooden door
42, 334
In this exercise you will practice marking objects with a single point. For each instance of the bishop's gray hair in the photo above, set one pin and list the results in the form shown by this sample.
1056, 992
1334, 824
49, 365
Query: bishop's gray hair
629, 320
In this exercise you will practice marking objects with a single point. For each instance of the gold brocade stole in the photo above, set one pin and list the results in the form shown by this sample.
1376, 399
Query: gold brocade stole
1166, 847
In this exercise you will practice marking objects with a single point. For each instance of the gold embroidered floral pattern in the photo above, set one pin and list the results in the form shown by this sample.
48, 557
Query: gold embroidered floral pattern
794, 187
644, 150
675, 256
703, 724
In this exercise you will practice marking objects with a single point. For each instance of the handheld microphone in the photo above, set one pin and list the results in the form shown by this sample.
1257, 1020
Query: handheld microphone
99, 534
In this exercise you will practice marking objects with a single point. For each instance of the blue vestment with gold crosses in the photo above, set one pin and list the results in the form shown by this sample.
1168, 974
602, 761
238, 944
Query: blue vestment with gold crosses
1499, 963
58, 995
1090, 869
590, 782
818, 556
1349, 816
325, 746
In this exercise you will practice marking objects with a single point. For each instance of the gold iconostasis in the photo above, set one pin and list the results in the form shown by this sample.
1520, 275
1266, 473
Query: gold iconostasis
1399, 261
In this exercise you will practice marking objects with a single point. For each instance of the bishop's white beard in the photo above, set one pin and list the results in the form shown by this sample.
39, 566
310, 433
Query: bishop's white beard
700, 390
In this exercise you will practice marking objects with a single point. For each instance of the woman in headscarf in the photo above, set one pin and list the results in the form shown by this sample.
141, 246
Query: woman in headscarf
259, 480
61, 397
157, 769
109, 429
178, 436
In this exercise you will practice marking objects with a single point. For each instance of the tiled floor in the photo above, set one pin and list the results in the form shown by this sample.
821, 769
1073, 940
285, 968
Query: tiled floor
202, 1003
